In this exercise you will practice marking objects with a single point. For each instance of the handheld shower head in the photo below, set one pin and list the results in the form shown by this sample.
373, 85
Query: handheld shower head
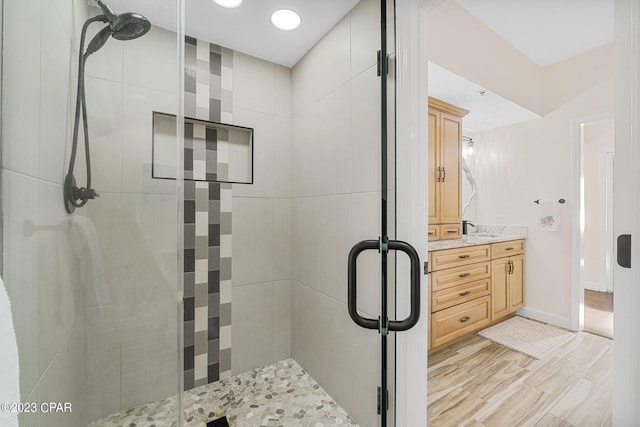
125, 26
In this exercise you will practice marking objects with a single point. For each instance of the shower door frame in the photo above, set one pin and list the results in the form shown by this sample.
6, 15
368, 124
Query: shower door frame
411, 206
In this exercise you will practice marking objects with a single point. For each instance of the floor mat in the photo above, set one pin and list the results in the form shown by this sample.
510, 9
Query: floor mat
527, 336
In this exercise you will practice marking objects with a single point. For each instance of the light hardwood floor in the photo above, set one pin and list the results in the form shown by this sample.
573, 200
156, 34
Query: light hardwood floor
480, 383
598, 313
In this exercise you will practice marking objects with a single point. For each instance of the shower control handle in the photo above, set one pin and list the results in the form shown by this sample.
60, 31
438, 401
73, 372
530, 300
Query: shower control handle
84, 193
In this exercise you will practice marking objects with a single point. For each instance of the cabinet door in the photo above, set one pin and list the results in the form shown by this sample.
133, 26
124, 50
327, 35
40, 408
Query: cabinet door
450, 155
516, 283
499, 289
434, 163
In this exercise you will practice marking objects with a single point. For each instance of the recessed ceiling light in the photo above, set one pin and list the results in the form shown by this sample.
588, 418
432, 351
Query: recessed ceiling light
230, 4
285, 19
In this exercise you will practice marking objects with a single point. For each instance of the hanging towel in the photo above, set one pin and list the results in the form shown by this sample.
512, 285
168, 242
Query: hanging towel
548, 218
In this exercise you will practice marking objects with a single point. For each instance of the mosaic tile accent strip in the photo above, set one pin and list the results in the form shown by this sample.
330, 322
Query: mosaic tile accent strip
208, 215
282, 394
208, 81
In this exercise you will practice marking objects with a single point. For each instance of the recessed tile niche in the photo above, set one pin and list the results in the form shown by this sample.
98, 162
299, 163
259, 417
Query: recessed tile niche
214, 152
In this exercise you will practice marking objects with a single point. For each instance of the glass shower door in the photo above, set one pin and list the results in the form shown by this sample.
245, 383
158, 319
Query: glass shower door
385, 323
269, 254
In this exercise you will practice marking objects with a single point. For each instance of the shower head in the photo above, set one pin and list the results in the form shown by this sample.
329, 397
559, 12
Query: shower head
125, 26
129, 26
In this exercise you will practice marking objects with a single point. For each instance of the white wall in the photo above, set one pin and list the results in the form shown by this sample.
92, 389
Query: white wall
336, 196
520, 163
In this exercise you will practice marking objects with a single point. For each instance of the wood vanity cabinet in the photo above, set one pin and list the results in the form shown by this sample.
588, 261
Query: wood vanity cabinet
445, 169
472, 287
507, 279
460, 292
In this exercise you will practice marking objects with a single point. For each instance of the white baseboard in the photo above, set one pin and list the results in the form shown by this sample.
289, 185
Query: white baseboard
543, 316
594, 286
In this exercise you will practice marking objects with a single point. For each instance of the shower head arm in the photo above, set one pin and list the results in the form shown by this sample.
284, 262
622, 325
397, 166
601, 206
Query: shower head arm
106, 10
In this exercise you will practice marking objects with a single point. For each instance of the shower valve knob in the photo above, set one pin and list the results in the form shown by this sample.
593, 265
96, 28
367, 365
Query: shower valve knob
85, 193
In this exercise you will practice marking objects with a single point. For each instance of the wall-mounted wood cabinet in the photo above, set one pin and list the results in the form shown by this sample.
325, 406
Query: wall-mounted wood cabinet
445, 167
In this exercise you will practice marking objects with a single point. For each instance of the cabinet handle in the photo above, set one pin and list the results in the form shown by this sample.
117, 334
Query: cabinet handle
444, 174
509, 249
463, 256
431, 233
439, 178
452, 231
465, 293
465, 319
510, 267
465, 275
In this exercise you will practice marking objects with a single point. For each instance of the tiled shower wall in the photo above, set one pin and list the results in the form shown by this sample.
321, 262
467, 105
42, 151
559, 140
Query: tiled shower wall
93, 293
231, 87
207, 215
336, 170
102, 335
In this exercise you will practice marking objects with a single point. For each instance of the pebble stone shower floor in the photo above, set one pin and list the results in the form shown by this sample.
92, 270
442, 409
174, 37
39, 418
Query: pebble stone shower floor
282, 394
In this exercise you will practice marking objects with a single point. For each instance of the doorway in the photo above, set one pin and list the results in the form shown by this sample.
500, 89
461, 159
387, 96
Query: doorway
596, 224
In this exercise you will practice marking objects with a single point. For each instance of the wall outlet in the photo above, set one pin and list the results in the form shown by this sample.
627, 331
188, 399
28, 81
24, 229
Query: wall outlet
502, 219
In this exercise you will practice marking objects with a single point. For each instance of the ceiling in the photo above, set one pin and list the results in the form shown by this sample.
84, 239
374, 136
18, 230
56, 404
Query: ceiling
247, 28
485, 112
547, 31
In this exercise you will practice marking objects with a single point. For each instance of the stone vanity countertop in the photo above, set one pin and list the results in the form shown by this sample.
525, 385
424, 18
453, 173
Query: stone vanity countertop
474, 239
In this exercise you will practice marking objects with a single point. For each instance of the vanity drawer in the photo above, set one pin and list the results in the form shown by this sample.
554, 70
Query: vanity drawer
503, 249
434, 232
454, 322
458, 294
449, 258
450, 231
445, 279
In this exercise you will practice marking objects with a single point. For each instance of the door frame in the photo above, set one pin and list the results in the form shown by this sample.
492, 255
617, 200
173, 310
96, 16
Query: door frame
411, 206
626, 200
577, 238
